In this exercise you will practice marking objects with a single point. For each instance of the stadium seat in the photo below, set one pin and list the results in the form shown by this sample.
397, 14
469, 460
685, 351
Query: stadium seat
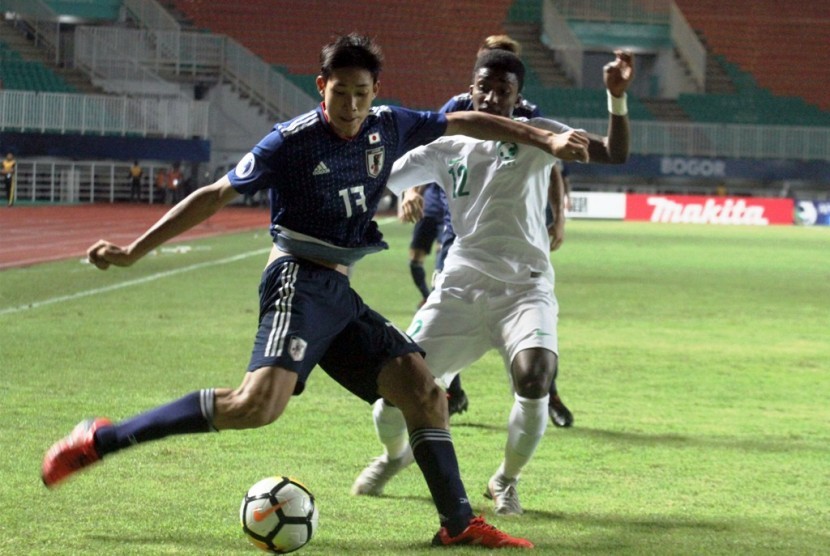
782, 46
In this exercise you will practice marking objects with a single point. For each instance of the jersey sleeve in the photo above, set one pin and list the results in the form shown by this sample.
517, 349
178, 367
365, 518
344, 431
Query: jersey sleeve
416, 167
256, 169
418, 128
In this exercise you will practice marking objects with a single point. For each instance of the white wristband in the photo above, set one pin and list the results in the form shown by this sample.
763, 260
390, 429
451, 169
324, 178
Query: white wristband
617, 106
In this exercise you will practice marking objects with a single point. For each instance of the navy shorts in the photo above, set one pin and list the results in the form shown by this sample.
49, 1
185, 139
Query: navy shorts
425, 233
310, 315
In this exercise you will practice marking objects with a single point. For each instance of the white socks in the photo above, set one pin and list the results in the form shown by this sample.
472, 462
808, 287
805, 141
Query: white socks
391, 428
527, 424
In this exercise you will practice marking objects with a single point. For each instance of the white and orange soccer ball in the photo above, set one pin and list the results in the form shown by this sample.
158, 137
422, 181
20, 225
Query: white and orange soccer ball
279, 514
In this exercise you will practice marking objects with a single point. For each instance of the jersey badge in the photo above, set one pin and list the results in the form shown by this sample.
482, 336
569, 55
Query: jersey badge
321, 169
374, 161
374, 138
246, 166
297, 348
507, 153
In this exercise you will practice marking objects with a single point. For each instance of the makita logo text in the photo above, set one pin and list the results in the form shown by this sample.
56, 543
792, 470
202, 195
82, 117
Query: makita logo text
729, 211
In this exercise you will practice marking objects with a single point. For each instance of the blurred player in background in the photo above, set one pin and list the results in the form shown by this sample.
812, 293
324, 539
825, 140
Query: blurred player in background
9, 165
424, 235
325, 171
497, 286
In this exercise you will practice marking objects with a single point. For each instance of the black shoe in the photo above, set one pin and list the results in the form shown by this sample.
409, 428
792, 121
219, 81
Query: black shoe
457, 403
559, 414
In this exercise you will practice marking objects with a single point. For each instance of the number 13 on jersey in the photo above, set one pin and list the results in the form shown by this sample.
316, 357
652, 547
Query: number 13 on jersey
353, 196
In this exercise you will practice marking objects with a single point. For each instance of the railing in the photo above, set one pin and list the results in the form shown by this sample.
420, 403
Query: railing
39, 19
191, 53
688, 46
152, 15
721, 140
656, 12
82, 182
102, 114
557, 34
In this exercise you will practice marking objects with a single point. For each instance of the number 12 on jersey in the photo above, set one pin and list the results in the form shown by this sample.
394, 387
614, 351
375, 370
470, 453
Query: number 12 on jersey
458, 171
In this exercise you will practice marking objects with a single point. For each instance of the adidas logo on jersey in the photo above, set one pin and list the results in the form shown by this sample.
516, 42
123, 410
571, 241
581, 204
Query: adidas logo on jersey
321, 169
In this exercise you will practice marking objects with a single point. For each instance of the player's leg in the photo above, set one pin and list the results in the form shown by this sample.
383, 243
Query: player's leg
407, 382
423, 236
274, 374
531, 370
446, 329
372, 358
527, 323
260, 399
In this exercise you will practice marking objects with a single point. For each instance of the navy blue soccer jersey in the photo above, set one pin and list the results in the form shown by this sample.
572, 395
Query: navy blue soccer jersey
326, 188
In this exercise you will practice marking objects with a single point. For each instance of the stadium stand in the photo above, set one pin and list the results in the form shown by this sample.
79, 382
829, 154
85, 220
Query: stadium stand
784, 46
445, 46
18, 74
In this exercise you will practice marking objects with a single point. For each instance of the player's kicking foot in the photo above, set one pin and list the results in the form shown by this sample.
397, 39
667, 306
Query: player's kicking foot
457, 403
502, 491
72, 453
482, 534
560, 415
371, 480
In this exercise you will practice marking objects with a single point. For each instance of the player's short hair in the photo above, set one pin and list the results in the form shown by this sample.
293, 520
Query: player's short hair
351, 51
500, 42
501, 60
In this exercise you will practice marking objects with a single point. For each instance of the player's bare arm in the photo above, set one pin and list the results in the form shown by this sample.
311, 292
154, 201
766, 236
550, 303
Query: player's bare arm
194, 209
571, 145
613, 148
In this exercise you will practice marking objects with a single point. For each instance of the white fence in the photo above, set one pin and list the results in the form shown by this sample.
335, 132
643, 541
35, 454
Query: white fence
721, 140
82, 182
29, 111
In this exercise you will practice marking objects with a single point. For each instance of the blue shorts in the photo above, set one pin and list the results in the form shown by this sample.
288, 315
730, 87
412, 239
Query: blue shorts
425, 233
310, 315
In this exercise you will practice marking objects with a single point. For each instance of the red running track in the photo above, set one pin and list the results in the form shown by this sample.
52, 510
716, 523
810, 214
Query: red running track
36, 234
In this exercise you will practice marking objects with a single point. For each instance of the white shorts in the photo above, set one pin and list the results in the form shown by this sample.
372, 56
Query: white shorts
470, 313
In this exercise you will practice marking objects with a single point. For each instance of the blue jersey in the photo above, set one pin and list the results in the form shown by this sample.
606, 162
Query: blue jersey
324, 189
434, 202
464, 102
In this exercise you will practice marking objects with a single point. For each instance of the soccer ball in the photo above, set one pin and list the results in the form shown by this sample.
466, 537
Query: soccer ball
279, 515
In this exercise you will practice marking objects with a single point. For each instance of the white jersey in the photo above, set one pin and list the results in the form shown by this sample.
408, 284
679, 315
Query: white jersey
497, 193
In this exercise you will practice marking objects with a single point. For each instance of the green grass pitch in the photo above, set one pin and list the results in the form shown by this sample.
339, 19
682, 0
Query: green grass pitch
696, 360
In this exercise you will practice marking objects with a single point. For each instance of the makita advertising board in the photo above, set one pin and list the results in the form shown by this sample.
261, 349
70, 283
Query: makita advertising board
697, 209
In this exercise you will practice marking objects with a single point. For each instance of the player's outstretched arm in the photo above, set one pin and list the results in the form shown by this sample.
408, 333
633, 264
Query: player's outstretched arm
571, 145
194, 209
613, 148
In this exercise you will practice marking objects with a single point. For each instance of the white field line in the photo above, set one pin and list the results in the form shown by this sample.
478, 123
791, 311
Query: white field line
144, 280
129, 283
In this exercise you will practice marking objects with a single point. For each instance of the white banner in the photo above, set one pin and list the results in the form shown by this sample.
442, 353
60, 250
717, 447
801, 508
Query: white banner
586, 204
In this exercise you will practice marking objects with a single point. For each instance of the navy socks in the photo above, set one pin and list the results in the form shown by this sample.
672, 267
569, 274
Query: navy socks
192, 413
435, 454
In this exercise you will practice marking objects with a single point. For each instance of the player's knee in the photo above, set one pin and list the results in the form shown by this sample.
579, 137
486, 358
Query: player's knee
251, 409
533, 373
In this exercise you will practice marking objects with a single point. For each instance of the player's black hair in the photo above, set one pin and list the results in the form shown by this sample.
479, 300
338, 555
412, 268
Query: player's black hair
501, 60
351, 51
